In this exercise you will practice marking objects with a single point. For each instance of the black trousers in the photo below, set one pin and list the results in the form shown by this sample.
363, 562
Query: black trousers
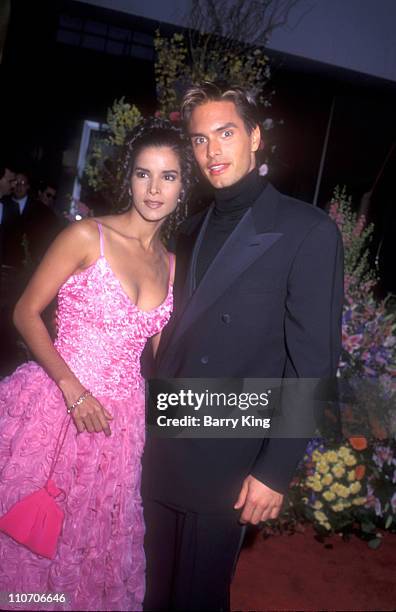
190, 558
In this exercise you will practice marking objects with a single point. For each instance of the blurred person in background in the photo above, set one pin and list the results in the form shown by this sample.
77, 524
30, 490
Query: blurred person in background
46, 193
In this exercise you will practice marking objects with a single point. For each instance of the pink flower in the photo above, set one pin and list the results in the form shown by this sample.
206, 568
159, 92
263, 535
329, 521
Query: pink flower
351, 343
335, 214
359, 227
175, 116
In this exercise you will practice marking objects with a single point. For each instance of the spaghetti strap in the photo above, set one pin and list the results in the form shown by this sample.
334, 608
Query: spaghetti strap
172, 260
100, 238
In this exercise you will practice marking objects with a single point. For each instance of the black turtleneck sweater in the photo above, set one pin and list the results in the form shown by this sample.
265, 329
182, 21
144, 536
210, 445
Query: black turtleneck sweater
231, 203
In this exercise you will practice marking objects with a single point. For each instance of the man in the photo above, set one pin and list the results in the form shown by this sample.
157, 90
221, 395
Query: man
46, 193
258, 294
39, 223
7, 181
17, 210
21, 191
45, 223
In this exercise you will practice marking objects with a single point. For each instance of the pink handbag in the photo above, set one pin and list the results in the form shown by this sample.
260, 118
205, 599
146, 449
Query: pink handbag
36, 520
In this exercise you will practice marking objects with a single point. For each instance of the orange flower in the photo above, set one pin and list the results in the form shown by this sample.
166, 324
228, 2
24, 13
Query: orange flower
360, 471
358, 443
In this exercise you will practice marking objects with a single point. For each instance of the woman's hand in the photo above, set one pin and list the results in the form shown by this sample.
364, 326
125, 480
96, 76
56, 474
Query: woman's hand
89, 415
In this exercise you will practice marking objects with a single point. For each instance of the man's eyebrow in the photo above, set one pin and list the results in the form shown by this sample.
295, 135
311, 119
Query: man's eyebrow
219, 129
226, 126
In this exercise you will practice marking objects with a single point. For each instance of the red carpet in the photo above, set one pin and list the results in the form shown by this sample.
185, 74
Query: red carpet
298, 573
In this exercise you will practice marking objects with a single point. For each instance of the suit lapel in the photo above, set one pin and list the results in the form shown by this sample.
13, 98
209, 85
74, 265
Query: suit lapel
252, 237
187, 244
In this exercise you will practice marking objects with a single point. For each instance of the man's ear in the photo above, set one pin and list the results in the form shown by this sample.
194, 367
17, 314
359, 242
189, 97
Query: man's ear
255, 138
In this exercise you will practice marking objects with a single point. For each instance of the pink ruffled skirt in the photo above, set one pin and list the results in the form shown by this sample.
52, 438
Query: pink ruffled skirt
100, 561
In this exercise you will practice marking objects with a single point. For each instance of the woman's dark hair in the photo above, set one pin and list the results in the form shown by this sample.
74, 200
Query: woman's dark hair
157, 132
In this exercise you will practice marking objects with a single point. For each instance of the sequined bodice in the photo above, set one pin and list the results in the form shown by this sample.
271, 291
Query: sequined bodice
101, 333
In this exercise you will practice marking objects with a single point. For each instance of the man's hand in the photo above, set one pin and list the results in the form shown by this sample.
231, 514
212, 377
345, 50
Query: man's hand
259, 502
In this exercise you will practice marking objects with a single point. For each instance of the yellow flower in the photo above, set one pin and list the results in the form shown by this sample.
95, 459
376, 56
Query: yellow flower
316, 455
316, 486
350, 460
327, 525
327, 479
338, 507
322, 467
359, 501
343, 452
329, 496
338, 470
336, 488
320, 516
344, 491
355, 487
318, 505
351, 476
331, 456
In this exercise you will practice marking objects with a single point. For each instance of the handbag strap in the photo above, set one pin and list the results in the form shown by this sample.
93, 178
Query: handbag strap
59, 443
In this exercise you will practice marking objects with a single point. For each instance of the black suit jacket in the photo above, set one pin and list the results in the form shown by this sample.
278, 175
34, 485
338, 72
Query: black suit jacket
269, 306
12, 234
40, 225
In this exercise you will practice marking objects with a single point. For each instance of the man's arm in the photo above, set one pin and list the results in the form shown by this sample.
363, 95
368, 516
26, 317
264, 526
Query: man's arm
313, 343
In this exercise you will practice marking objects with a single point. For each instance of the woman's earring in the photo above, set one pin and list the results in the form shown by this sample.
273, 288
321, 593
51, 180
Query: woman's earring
130, 192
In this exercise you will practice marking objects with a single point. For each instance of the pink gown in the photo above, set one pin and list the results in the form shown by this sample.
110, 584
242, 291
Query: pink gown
100, 563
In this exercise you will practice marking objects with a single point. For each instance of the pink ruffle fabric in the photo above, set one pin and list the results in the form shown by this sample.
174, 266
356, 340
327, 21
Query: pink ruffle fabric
100, 561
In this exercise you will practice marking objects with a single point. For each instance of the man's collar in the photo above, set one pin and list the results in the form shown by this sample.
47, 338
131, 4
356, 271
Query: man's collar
264, 212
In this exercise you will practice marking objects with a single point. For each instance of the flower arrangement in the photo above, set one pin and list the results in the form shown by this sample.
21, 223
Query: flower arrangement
369, 342
352, 486
101, 170
240, 65
381, 485
332, 488
170, 67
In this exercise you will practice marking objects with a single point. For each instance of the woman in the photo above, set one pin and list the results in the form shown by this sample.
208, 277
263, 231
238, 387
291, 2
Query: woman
114, 280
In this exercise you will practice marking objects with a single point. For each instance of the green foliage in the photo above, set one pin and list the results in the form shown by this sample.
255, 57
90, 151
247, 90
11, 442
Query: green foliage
182, 60
121, 118
170, 66
356, 237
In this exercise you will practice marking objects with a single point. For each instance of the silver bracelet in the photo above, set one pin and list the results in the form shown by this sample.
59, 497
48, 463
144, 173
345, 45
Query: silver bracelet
79, 401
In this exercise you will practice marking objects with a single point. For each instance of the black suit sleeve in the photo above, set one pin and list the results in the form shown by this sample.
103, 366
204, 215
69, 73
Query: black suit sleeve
312, 335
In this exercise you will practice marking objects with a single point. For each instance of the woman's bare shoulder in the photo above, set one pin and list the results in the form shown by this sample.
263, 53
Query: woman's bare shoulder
86, 230
112, 222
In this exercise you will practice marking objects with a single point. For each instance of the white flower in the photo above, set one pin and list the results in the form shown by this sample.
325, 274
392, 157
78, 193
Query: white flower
268, 124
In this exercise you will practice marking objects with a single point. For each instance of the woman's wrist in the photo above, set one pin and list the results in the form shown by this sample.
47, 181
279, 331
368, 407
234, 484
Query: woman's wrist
71, 389
79, 400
